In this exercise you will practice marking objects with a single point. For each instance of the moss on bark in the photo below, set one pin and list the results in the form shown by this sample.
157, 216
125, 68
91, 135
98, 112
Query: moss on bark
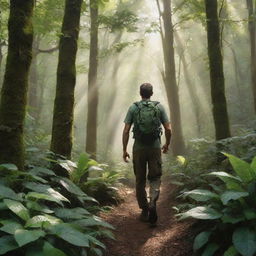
14, 90
61, 142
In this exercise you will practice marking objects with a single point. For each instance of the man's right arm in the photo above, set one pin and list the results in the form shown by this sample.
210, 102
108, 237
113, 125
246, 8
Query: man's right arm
126, 132
168, 135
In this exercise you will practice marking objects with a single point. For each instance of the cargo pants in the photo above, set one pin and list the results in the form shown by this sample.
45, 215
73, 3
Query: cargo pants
147, 163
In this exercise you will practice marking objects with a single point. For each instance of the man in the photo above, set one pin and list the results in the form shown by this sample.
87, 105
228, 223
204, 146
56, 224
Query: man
147, 117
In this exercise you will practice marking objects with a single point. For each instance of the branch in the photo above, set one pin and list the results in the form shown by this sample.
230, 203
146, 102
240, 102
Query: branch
48, 50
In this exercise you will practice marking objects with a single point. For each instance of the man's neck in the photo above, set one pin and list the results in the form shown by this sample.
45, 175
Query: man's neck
145, 98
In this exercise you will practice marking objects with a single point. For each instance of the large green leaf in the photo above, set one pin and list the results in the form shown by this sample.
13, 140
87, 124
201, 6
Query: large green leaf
10, 226
6, 192
201, 239
232, 195
74, 213
224, 176
96, 242
231, 251
46, 189
250, 214
41, 196
68, 233
210, 249
49, 250
253, 165
244, 240
202, 213
23, 236
7, 243
242, 168
38, 207
39, 220
18, 208
91, 222
10, 167
201, 195
42, 171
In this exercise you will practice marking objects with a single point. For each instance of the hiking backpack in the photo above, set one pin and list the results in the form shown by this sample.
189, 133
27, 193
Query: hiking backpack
147, 124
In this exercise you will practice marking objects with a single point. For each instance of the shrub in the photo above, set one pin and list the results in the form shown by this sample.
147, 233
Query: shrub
230, 209
45, 214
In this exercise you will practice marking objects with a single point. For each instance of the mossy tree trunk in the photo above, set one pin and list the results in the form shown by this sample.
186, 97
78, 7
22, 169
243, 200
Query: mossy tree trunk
14, 90
220, 113
178, 145
92, 113
252, 34
61, 142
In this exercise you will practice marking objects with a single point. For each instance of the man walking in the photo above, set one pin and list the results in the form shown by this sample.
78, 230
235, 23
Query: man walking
147, 117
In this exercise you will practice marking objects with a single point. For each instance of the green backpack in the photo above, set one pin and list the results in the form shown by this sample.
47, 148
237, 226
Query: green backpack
147, 124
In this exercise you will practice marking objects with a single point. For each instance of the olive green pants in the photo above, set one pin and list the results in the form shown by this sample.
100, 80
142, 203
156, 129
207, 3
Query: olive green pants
147, 163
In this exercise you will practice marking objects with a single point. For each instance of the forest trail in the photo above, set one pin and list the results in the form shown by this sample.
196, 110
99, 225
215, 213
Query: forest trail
135, 238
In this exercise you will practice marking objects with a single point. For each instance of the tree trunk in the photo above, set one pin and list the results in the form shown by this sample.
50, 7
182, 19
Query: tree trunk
220, 114
178, 146
14, 91
33, 82
252, 33
61, 142
91, 132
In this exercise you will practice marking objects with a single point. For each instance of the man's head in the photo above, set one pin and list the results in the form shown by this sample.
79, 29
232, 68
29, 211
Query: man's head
146, 90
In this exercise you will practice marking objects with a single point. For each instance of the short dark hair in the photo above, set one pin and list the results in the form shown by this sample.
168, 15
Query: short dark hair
146, 90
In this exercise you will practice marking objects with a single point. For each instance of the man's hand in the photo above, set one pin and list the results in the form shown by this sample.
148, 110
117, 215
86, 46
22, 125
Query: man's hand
165, 148
126, 156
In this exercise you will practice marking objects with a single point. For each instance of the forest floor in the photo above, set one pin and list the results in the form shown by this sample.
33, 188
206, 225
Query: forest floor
135, 238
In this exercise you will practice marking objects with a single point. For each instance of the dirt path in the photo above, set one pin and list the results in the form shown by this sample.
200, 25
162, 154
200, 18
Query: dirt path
134, 238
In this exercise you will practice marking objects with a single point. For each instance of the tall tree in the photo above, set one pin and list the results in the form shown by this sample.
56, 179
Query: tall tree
61, 142
252, 33
93, 94
220, 113
178, 145
14, 90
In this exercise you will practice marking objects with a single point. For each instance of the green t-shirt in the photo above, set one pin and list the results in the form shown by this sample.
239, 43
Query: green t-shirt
129, 119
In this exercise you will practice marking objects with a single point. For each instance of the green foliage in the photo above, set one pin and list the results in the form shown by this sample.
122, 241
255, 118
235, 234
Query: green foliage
229, 210
43, 218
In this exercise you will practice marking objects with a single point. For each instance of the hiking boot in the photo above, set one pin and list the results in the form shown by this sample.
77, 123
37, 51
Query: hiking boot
152, 218
144, 215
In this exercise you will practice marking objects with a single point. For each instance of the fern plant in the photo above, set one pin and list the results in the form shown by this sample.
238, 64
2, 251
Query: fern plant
44, 214
230, 210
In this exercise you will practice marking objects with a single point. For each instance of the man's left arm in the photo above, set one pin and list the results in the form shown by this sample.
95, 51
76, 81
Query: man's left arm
126, 132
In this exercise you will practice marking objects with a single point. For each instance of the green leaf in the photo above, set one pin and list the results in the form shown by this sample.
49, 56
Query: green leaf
17, 208
74, 213
202, 213
231, 251
232, 219
91, 222
7, 243
23, 236
83, 162
242, 168
250, 214
244, 240
70, 234
41, 196
10, 167
232, 195
38, 207
201, 239
39, 220
42, 171
210, 249
224, 176
6, 192
253, 164
97, 251
49, 250
10, 226
96, 242
201, 195
46, 189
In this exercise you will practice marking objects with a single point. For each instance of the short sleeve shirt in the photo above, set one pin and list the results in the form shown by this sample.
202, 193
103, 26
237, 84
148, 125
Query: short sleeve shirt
129, 119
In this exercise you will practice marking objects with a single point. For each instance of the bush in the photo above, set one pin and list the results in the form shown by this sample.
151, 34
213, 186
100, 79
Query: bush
45, 214
230, 209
